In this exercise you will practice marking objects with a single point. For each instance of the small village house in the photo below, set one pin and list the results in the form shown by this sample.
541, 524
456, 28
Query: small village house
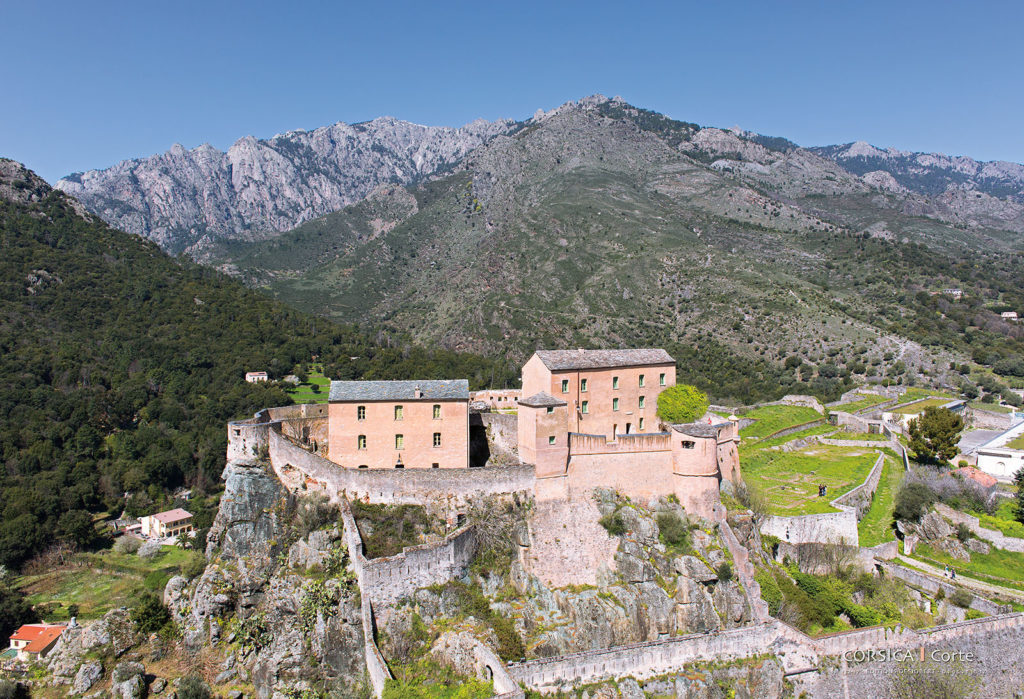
167, 524
33, 641
256, 376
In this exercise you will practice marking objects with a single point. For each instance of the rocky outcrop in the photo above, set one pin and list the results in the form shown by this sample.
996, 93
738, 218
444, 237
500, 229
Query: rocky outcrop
266, 185
128, 681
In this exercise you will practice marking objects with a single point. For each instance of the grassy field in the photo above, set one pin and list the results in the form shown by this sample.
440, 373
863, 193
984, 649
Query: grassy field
862, 436
918, 393
304, 393
789, 480
772, 418
999, 567
98, 582
920, 407
991, 407
1004, 519
866, 401
876, 527
1016, 443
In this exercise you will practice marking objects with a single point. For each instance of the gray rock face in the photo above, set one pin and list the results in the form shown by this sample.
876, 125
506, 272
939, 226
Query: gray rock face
86, 677
127, 681
934, 527
978, 546
179, 197
246, 521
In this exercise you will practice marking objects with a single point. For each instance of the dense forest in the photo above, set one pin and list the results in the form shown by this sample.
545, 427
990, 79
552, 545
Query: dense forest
119, 367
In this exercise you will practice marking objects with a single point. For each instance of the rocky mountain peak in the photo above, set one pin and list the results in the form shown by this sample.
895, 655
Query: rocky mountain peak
19, 184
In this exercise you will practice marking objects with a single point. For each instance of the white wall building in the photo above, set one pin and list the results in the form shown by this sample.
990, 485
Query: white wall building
999, 460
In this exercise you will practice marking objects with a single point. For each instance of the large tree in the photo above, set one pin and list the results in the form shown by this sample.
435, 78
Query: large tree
934, 435
682, 403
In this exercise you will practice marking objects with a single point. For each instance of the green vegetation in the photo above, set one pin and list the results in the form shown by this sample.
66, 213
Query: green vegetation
387, 529
1005, 518
789, 480
613, 523
119, 367
194, 687
866, 400
912, 501
862, 436
916, 408
1016, 443
673, 532
682, 403
934, 435
471, 602
773, 418
149, 613
991, 407
97, 582
313, 390
876, 526
426, 679
997, 566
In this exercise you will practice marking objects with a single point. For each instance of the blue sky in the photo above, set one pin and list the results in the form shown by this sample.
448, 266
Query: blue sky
85, 85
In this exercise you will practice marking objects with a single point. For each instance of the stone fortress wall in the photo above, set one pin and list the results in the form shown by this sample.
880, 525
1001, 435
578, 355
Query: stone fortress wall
831, 527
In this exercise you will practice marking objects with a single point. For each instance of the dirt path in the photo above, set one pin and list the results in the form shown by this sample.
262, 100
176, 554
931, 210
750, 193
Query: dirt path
969, 583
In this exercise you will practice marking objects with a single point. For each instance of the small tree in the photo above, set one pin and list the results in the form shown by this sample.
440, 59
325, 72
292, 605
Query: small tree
682, 403
934, 435
149, 613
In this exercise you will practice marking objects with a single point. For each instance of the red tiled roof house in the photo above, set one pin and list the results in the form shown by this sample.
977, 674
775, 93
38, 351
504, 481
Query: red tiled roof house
34, 641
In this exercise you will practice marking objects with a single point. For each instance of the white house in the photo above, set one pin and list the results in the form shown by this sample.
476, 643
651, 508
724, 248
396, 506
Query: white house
1009, 315
1003, 455
166, 524
256, 376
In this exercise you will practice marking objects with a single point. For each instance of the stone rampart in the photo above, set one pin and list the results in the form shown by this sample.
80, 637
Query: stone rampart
394, 577
994, 537
831, 527
795, 428
848, 420
589, 444
930, 585
300, 469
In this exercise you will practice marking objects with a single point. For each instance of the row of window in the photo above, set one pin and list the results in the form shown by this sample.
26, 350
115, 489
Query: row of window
399, 441
585, 405
399, 412
615, 383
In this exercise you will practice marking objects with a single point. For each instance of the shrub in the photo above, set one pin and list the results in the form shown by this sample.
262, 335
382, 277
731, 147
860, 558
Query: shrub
149, 613
912, 501
156, 580
770, 591
682, 403
963, 532
673, 531
613, 523
961, 598
315, 512
193, 687
127, 544
940, 595
724, 571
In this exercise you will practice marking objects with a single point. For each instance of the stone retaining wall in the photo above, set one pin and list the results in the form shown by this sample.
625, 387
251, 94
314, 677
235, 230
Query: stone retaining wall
831, 527
994, 537
930, 585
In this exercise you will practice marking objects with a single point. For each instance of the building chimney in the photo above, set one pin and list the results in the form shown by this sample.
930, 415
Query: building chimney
418, 393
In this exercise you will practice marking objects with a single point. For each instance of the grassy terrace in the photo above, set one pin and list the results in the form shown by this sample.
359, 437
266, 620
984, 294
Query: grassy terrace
98, 582
866, 401
1016, 443
789, 480
916, 408
305, 392
990, 407
918, 393
861, 436
876, 527
772, 418
1004, 519
998, 567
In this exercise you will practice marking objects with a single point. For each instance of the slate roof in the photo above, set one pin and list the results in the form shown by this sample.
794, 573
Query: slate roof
349, 391
541, 400
699, 429
562, 360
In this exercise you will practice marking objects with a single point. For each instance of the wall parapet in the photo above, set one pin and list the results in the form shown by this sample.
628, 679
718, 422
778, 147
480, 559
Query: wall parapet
580, 443
996, 538
932, 586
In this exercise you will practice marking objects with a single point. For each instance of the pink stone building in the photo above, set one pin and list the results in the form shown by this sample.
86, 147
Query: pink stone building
588, 419
399, 424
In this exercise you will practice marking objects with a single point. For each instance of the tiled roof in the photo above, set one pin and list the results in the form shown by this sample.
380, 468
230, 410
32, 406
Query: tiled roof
699, 429
541, 400
39, 636
984, 479
175, 515
561, 360
347, 391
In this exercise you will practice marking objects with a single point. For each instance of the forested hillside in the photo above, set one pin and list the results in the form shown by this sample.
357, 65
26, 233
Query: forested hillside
120, 365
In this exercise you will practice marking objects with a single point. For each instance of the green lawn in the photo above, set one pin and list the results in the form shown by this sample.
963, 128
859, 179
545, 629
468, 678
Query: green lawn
999, 567
1016, 443
917, 393
866, 401
304, 393
920, 407
862, 436
98, 582
793, 436
991, 407
789, 480
772, 418
876, 527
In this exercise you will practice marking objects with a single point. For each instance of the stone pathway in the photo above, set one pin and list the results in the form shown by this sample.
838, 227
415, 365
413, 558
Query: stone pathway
969, 583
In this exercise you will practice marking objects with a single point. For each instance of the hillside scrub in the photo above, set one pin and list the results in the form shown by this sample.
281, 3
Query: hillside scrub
387, 529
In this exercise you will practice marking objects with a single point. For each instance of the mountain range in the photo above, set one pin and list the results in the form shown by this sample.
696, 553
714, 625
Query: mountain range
600, 223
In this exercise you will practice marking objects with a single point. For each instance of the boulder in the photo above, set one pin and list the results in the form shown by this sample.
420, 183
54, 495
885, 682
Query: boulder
128, 681
978, 546
86, 677
933, 527
693, 568
632, 565
954, 548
